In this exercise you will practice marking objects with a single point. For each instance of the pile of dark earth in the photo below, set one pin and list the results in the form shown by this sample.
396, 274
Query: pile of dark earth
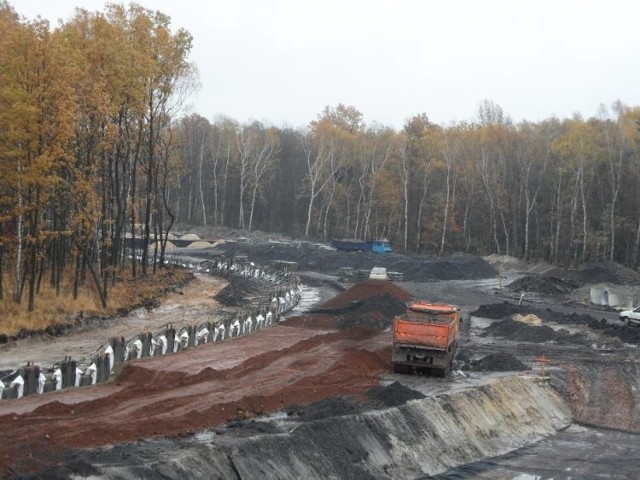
371, 303
375, 312
505, 310
494, 362
420, 268
392, 395
376, 398
523, 332
563, 280
543, 284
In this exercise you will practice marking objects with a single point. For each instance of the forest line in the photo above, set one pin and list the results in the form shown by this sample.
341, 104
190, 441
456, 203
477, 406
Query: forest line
564, 191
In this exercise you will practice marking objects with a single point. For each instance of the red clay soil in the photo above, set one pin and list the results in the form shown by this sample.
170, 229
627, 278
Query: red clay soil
366, 290
177, 395
298, 362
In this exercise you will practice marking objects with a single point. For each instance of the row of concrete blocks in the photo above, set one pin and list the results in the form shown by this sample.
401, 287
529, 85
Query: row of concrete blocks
31, 379
226, 266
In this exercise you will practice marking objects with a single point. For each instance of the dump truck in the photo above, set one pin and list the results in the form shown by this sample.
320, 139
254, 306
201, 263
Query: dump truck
425, 338
376, 246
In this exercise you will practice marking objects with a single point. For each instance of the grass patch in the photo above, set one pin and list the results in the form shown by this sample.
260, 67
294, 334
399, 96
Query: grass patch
52, 309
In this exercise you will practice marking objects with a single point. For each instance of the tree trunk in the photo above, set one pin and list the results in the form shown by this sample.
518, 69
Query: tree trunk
204, 210
584, 218
556, 243
446, 211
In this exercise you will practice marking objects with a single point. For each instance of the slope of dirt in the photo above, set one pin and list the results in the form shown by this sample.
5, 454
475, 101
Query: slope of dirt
597, 272
371, 304
498, 362
415, 440
562, 281
544, 284
197, 389
297, 362
522, 332
364, 291
392, 395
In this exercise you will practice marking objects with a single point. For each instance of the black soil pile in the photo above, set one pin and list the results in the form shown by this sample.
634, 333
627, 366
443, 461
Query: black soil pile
392, 395
459, 266
498, 362
598, 272
502, 310
627, 334
523, 332
519, 331
364, 291
560, 281
376, 312
372, 304
420, 268
545, 285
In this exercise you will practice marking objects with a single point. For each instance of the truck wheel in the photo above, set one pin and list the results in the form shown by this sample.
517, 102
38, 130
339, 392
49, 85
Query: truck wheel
627, 320
404, 369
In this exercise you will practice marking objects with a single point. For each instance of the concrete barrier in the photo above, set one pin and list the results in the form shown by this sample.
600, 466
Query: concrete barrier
31, 379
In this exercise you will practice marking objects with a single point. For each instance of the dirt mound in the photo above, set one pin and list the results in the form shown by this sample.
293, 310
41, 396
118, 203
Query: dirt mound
519, 331
458, 266
507, 263
372, 304
598, 272
560, 281
376, 312
545, 285
364, 291
498, 362
505, 310
158, 245
392, 395
200, 244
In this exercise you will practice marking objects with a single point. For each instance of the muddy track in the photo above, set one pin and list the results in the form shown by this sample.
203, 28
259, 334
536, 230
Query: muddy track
184, 393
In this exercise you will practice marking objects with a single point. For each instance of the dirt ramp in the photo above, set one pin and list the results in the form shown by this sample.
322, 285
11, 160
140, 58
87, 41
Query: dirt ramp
366, 290
422, 437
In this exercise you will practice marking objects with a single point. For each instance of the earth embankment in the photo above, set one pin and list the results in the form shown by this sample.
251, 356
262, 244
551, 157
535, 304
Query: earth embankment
422, 437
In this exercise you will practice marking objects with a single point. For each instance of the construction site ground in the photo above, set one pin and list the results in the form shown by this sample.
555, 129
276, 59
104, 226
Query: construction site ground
243, 407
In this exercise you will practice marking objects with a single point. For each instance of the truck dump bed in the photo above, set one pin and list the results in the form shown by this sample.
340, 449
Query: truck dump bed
425, 325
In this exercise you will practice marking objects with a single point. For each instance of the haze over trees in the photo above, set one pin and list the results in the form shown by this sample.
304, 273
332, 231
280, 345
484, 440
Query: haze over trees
95, 147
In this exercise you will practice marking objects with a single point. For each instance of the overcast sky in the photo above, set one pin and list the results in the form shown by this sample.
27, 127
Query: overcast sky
283, 61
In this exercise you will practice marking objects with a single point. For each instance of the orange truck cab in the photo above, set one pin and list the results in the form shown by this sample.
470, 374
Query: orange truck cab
425, 337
